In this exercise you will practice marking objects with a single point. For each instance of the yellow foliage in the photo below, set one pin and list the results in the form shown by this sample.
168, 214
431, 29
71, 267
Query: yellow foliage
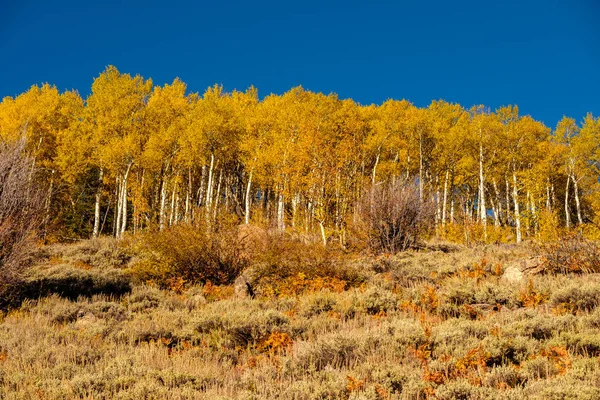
549, 226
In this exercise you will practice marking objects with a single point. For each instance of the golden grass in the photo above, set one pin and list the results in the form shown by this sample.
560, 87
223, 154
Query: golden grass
422, 325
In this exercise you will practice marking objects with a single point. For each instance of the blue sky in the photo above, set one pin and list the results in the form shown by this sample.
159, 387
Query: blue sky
543, 56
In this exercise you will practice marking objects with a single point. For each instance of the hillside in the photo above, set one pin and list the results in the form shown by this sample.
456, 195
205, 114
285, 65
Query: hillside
419, 324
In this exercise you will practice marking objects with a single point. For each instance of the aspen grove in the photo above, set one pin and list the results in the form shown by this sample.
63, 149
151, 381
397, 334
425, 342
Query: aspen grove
134, 156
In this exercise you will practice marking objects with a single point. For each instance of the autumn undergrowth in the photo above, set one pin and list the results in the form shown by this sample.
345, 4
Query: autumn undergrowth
415, 325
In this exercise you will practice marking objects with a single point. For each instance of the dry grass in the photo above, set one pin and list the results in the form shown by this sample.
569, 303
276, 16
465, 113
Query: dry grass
420, 325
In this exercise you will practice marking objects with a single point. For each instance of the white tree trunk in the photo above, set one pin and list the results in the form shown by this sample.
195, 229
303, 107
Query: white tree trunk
117, 226
281, 213
123, 227
420, 166
295, 201
218, 196
209, 186
567, 211
482, 209
323, 235
96, 231
507, 184
498, 209
248, 202
548, 203
577, 204
375, 167
445, 200
517, 212
172, 213
534, 215
188, 196
163, 202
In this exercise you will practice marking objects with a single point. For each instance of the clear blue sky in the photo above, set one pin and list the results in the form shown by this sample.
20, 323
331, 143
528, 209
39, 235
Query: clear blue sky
543, 55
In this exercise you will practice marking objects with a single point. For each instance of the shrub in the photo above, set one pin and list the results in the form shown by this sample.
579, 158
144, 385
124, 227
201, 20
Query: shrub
460, 389
65, 311
506, 351
540, 326
584, 344
572, 253
319, 303
394, 216
243, 326
21, 210
144, 298
69, 282
290, 266
191, 253
336, 350
577, 298
377, 300
503, 377
103, 252
539, 368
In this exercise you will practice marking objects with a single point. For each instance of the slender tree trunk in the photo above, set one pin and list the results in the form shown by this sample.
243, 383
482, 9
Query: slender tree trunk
105, 215
375, 167
548, 201
517, 212
248, 202
177, 216
307, 216
201, 189
495, 211
420, 166
534, 215
567, 211
577, 204
188, 195
136, 211
452, 196
295, 201
498, 210
507, 193
337, 202
121, 228
117, 211
96, 231
172, 213
209, 186
48, 202
163, 202
218, 196
445, 200
528, 207
438, 207
281, 213
124, 200
323, 235
482, 209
